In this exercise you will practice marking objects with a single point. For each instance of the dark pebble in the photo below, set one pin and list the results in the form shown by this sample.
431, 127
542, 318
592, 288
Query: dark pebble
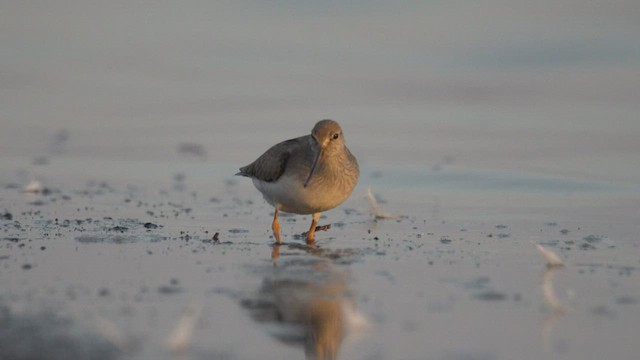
150, 225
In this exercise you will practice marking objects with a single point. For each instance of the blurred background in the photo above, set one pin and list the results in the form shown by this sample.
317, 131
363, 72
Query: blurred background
544, 87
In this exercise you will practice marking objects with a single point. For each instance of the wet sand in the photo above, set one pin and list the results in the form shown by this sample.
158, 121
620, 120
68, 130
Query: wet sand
98, 267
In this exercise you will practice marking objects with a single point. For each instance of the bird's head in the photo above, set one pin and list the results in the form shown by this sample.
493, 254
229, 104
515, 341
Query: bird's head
328, 136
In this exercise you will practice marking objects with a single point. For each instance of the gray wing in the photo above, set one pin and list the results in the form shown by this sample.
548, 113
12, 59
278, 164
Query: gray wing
271, 165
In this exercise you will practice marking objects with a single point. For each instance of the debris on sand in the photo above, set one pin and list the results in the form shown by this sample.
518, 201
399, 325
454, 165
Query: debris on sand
34, 187
553, 260
553, 263
377, 212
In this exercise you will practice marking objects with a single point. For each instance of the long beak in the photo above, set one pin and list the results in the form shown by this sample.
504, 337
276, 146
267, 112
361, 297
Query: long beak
313, 166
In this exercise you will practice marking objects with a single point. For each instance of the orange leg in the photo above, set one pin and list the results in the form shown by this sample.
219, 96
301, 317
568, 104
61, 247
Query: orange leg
312, 230
276, 227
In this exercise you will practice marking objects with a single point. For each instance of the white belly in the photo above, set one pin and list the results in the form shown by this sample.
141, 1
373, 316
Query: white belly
289, 195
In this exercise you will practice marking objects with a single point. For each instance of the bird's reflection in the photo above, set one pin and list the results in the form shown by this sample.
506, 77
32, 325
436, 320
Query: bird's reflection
558, 310
554, 263
305, 300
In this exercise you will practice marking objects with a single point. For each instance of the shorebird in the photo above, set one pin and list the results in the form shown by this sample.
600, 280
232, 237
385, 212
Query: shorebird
306, 175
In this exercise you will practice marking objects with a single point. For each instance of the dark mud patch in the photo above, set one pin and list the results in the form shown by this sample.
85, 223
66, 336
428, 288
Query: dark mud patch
627, 300
338, 256
118, 239
479, 283
622, 270
111, 231
192, 149
490, 295
172, 288
482, 289
593, 239
238, 231
121, 229
46, 335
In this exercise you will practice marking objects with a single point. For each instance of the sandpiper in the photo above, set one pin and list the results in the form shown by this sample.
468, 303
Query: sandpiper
306, 175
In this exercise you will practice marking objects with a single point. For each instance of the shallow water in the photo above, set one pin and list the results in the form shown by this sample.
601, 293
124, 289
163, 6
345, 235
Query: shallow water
485, 129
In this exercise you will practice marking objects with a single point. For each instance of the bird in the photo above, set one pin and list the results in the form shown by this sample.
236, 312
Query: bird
306, 175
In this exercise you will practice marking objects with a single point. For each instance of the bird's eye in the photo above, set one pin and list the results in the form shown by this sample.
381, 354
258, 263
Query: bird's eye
335, 136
